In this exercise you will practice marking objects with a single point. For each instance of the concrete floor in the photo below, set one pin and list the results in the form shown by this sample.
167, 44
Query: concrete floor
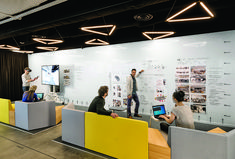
16, 144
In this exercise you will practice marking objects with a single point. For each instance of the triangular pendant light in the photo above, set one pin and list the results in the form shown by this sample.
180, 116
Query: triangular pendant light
210, 14
165, 34
100, 42
48, 48
48, 41
91, 29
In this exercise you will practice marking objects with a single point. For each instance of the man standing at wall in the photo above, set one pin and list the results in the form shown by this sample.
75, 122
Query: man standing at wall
131, 93
26, 79
97, 104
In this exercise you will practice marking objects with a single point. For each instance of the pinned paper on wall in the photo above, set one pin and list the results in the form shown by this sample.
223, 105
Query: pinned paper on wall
191, 78
67, 77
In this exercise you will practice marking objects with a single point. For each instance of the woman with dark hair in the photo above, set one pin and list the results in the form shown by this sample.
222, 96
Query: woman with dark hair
30, 96
181, 113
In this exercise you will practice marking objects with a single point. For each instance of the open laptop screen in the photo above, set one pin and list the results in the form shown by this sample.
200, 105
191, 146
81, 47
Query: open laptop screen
40, 95
158, 110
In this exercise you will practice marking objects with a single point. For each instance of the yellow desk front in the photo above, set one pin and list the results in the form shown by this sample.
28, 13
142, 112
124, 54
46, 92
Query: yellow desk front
120, 137
5, 107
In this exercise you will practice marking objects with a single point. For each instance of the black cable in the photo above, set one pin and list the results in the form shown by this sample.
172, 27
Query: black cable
16, 41
59, 34
171, 9
107, 29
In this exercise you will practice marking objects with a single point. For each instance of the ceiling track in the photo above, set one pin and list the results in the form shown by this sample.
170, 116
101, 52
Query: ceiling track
20, 16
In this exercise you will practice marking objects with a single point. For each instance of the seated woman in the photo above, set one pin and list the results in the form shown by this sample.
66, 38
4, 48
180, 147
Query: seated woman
181, 113
30, 96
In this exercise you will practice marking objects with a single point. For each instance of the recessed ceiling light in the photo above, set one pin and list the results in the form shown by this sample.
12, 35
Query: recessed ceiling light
48, 48
211, 15
143, 17
48, 41
101, 42
165, 34
90, 29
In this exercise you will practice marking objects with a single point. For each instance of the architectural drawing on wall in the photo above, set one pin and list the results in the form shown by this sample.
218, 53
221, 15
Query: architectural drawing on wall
182, 81
67, 77
117, 100
192, 81
184, 88
117, 103
198, 89
198, 79
198, 70
160, 94
198, 98
152, 85
198, 108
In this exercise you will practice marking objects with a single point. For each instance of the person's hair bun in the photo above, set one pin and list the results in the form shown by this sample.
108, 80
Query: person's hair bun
179, 95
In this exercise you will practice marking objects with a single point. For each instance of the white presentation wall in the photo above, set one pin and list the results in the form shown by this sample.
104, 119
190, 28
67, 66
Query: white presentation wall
200, 65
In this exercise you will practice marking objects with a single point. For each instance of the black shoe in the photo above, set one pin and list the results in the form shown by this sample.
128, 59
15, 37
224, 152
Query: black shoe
137, 115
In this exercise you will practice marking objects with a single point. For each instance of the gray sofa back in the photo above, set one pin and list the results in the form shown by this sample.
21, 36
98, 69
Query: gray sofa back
195, 144
34, 115
73, 125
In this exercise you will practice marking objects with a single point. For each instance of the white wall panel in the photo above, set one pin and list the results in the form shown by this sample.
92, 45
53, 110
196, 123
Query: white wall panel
96, 66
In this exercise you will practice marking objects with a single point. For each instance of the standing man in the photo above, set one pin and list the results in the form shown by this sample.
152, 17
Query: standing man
97, 104
26, 79
131, 93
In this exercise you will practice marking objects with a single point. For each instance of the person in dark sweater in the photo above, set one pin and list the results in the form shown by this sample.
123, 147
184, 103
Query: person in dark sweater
97, 104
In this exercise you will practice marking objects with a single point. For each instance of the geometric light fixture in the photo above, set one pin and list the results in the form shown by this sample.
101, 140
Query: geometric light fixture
14, 49
48, 41
91, 29
9, 47
165, 34
23, 51
210, 14
48, 48
100, 42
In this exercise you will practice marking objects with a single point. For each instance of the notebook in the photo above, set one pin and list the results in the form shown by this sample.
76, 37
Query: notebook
158, 110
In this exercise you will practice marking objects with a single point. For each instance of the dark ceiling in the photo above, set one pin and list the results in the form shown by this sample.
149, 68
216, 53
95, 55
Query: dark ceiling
64, 21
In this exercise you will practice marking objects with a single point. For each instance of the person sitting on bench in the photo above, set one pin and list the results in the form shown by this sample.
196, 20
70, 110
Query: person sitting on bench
30, 96
181, 113
97, 104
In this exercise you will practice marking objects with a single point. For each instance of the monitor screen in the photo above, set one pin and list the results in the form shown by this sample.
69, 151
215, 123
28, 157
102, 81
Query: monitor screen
50, 75
159, 110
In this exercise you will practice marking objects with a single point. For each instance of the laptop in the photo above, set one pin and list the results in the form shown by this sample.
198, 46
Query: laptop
40, 95
159, 110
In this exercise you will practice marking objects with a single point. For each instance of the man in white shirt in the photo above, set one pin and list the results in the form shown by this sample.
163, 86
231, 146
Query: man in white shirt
26, 79
131, 93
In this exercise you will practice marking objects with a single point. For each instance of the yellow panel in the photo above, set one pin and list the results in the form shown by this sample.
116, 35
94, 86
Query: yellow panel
217, 130
4, 110
12, 107
12, 117
121, 137
58, 113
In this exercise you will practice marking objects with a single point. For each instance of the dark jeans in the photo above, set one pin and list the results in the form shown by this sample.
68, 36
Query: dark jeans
137, 103
25, 88
164, 127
